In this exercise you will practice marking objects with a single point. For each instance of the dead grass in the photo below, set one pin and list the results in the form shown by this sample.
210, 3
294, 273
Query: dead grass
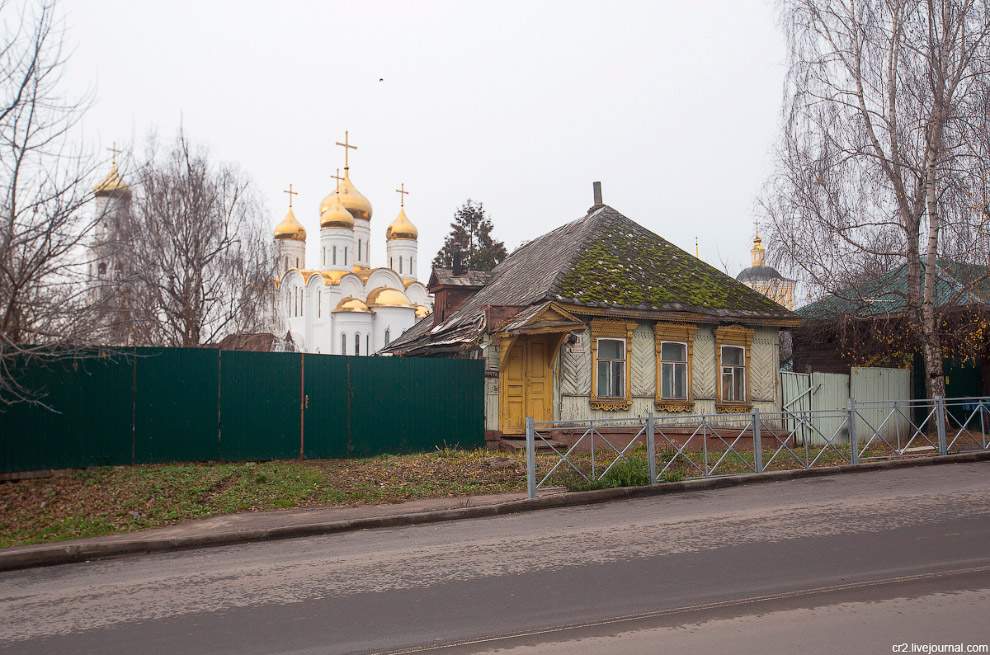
98, 501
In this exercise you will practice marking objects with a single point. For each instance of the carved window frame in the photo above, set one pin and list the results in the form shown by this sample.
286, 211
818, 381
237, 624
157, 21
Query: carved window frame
678, 333
733, 335
611, 329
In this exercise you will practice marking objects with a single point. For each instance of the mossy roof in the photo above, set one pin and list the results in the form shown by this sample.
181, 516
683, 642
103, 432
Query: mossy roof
605, 260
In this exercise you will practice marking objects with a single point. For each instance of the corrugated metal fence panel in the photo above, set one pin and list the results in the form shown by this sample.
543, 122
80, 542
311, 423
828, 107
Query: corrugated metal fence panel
325, 414
176, 405
260, 405
796, 397
91, 421
829, 391
868, 384
796, 391
402, 405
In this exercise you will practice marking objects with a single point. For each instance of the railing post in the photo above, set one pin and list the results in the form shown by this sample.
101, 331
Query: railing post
853, 441
940, 424
651, 448
757, 441
530, 457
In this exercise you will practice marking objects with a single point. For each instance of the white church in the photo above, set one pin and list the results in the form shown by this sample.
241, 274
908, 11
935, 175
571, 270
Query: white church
344, 306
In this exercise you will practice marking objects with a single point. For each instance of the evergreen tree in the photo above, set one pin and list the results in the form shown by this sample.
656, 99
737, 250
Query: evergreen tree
471, 231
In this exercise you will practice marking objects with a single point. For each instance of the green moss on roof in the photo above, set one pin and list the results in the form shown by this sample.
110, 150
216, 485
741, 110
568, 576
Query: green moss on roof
626, 265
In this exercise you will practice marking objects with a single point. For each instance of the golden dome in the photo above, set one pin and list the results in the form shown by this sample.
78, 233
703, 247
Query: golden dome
422, 310
352, 304
401, 228
386, 297
335, 216
112, 184
290, 228
353, 201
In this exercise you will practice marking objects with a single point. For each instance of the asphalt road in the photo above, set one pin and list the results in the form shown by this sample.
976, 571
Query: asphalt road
850, 563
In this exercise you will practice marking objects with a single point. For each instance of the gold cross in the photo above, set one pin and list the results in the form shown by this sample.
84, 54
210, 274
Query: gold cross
757, 228
404, 194
347, 146
115, 150
338, 178
291, 193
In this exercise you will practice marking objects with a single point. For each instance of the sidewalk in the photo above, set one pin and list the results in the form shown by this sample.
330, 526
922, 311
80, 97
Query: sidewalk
250, 527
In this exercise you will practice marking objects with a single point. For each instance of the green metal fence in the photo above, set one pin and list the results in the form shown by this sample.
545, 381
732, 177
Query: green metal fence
153, 405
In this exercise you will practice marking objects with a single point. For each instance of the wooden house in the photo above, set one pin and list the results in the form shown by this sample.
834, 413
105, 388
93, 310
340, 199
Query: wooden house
602, 318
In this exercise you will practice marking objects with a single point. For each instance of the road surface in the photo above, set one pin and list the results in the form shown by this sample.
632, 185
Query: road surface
853, 563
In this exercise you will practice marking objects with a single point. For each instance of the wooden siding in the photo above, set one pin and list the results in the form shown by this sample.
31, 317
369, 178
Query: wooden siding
575, 367
643, 361
764, 365
703, 372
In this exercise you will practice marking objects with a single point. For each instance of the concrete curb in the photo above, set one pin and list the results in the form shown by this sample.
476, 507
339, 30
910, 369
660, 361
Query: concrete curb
69, 553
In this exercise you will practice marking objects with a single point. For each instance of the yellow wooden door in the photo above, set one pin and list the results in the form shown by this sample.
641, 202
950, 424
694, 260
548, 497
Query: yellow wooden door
539, 385
513, 387
526, 383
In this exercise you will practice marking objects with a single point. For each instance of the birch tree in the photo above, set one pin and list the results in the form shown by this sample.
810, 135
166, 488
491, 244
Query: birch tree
197, 250
46, 187
883, 157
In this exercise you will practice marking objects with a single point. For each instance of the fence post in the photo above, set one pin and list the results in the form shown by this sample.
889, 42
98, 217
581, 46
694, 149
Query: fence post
853, 441
651, 448
530, 457
940, 424
757, 441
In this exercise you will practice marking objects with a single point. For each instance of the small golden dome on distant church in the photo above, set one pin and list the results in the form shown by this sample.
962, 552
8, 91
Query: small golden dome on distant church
336, 216
290, 228
352, 304
351, 198
112, 184
386, 297
422, 310
401, 228
759, 252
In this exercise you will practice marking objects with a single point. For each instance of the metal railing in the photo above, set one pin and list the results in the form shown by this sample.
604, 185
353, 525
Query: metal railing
711, 445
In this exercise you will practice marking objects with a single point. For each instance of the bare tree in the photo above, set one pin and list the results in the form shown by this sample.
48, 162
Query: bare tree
195, 250
883, 158
45, 185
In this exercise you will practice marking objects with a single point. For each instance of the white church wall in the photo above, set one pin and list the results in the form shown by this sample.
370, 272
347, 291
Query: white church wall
382, 277
351, 285
290, 254
351, 324
394, 319
418, 295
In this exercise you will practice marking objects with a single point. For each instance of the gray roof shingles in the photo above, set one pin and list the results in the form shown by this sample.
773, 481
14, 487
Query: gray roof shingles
601, 260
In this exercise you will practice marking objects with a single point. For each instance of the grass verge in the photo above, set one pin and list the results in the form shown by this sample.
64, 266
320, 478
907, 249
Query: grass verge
98, 501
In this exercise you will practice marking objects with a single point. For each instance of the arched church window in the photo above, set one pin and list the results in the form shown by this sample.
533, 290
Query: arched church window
411, 269
357, 343
345, 255
297, 262
367, 344
335, 255
359, 248
367, 251
388, 336
400, 265
343, 344
391, 264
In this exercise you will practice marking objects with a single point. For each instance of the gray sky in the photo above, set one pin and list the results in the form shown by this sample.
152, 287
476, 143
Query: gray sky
674, 106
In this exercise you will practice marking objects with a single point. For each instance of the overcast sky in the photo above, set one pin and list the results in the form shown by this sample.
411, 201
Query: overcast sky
674, 106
